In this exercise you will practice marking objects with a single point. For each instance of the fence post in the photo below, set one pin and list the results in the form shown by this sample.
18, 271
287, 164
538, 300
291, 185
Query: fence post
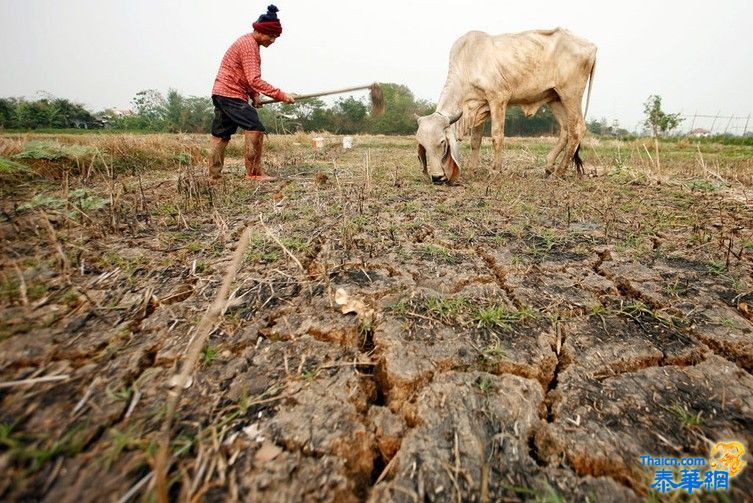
711, 130
745, 129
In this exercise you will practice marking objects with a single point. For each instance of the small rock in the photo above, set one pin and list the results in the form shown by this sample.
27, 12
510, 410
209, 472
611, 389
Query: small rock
267, 452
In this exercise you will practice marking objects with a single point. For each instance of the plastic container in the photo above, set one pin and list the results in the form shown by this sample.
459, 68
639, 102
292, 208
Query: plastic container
347, 142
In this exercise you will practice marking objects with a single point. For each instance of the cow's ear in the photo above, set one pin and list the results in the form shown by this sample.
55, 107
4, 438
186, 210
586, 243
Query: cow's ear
452, 168
452, 158
422, 156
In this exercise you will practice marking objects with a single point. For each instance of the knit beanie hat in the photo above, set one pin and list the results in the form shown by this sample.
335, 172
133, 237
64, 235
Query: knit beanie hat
268, 23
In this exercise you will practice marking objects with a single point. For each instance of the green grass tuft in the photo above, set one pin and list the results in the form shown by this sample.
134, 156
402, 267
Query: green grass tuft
9, 167
54, 151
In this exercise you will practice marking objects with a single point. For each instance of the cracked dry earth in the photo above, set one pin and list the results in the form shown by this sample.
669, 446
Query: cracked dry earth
513, 339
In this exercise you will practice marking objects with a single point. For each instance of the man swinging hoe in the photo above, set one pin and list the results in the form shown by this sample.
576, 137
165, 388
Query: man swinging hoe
238, 80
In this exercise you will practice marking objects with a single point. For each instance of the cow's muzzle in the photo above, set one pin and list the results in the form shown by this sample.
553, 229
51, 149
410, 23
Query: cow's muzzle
438, 179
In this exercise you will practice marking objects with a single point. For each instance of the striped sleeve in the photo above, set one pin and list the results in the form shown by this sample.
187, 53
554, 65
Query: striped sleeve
251, 62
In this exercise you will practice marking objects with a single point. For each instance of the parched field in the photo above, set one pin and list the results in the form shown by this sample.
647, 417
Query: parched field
508, 338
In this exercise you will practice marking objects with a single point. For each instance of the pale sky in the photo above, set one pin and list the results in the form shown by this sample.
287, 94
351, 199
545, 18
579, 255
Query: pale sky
696, 54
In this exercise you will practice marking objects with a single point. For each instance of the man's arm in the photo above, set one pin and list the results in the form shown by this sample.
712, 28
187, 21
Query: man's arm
252, 69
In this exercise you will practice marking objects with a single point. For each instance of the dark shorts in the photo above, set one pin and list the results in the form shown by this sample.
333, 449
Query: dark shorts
232, 113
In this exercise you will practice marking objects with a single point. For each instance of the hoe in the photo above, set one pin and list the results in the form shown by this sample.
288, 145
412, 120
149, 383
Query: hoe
376, 95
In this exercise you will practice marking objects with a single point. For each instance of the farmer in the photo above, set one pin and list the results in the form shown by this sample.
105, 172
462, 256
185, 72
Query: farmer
239, 79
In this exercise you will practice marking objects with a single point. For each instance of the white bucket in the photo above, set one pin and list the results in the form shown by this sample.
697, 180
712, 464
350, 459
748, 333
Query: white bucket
347, 142
318, 142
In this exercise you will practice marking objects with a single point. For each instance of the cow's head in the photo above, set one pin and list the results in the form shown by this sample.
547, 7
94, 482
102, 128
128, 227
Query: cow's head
437, 146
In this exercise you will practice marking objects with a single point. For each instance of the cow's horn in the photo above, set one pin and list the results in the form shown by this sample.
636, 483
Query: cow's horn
454, 118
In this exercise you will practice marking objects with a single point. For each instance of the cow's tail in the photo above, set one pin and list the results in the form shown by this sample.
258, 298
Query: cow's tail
590, 84
578, 161
576, 157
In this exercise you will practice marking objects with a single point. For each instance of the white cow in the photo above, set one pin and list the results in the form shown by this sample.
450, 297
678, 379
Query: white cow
487, 73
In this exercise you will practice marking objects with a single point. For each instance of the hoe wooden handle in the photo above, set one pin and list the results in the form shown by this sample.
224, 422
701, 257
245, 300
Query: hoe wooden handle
297, 97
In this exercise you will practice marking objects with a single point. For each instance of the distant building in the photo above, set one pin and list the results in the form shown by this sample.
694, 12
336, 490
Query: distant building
120, 112
107, 117
699, 133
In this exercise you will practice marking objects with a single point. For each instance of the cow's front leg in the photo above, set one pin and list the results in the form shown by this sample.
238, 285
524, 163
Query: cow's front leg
476, 136
498, 134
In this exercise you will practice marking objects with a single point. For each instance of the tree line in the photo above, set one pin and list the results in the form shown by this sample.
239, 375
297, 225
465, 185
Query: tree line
153, 111
47, 112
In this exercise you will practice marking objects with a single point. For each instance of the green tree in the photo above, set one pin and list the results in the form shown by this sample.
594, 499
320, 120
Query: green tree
658, 121
319, 119
63, 113
601, 127
122, 122
172, 112
517, 124
198, 115
399, 108
597, 127
307, 115
7, 113
31, 114
149, 106
349, 115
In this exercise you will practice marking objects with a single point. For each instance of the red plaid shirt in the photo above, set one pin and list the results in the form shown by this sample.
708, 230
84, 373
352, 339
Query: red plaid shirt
240, 72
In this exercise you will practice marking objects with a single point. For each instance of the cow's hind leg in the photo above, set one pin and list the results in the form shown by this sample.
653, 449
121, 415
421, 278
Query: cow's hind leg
561, 115
576, 128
